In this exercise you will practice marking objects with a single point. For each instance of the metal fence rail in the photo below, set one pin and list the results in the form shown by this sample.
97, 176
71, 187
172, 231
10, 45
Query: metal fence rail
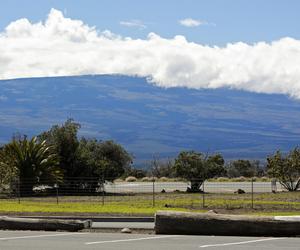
227, 195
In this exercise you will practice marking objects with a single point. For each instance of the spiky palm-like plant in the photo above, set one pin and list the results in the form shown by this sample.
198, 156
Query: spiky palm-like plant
34, 163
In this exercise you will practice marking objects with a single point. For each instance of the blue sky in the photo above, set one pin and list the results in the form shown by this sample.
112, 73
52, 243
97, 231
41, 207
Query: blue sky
235, 20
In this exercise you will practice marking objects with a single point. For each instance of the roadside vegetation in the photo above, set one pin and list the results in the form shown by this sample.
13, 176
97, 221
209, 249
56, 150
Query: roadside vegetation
58, 159
217, 179
267, 203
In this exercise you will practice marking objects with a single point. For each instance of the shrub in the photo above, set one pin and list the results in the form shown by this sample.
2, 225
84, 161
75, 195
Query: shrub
164, 179
264, 179
146, 179
153, 178
222, 179
240, 179
240, 191
131, 179
179, 179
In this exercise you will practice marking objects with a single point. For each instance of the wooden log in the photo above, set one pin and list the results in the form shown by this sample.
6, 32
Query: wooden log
168, 222
11, 223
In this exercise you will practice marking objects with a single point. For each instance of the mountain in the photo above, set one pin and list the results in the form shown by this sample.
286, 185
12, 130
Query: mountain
147, 119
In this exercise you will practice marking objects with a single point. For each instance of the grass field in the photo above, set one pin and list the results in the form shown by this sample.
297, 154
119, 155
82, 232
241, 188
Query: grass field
266, 203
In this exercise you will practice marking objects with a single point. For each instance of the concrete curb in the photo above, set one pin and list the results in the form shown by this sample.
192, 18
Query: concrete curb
121, 225
168, 222
10, 223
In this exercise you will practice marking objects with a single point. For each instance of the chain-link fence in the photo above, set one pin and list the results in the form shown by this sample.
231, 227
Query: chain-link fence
152, 193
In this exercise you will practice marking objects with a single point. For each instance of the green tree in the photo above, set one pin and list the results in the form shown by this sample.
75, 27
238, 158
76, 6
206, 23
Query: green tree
244, 168
7, 172
285, 168
197, 167
104, 159
65, 144
85, 161
32, 161
100, 161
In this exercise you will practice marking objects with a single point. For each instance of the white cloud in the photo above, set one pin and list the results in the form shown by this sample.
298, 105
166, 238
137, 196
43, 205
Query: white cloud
134, 23
62, 47
189, 22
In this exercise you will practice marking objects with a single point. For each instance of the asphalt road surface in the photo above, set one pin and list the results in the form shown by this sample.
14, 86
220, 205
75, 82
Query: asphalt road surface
136, 225
28, 240
213, 187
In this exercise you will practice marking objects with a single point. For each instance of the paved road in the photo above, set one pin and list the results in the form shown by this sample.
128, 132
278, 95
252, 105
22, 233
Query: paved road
27, 240
214, 187
134, 225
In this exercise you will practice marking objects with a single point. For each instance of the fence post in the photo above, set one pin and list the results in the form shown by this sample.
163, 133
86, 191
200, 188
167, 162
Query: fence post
103, 180
252, 191
153, 192
19, 193
56, 186
203, 195
273, 185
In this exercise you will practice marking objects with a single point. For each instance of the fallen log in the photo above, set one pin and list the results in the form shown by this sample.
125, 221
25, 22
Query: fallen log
11, 223
169, 222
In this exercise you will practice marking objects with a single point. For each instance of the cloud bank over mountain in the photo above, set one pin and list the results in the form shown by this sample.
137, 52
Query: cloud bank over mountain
61, 47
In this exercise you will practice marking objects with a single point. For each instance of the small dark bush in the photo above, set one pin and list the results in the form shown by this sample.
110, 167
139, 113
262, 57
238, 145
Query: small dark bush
240, 191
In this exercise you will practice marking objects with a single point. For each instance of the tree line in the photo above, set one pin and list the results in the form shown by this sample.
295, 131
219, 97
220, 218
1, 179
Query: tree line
198, 167
59, 157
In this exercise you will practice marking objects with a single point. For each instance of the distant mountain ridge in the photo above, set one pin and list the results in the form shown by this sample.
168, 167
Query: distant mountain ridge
147, 119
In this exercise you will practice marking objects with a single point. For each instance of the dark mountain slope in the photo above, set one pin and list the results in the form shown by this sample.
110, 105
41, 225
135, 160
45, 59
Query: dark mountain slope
147, 119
